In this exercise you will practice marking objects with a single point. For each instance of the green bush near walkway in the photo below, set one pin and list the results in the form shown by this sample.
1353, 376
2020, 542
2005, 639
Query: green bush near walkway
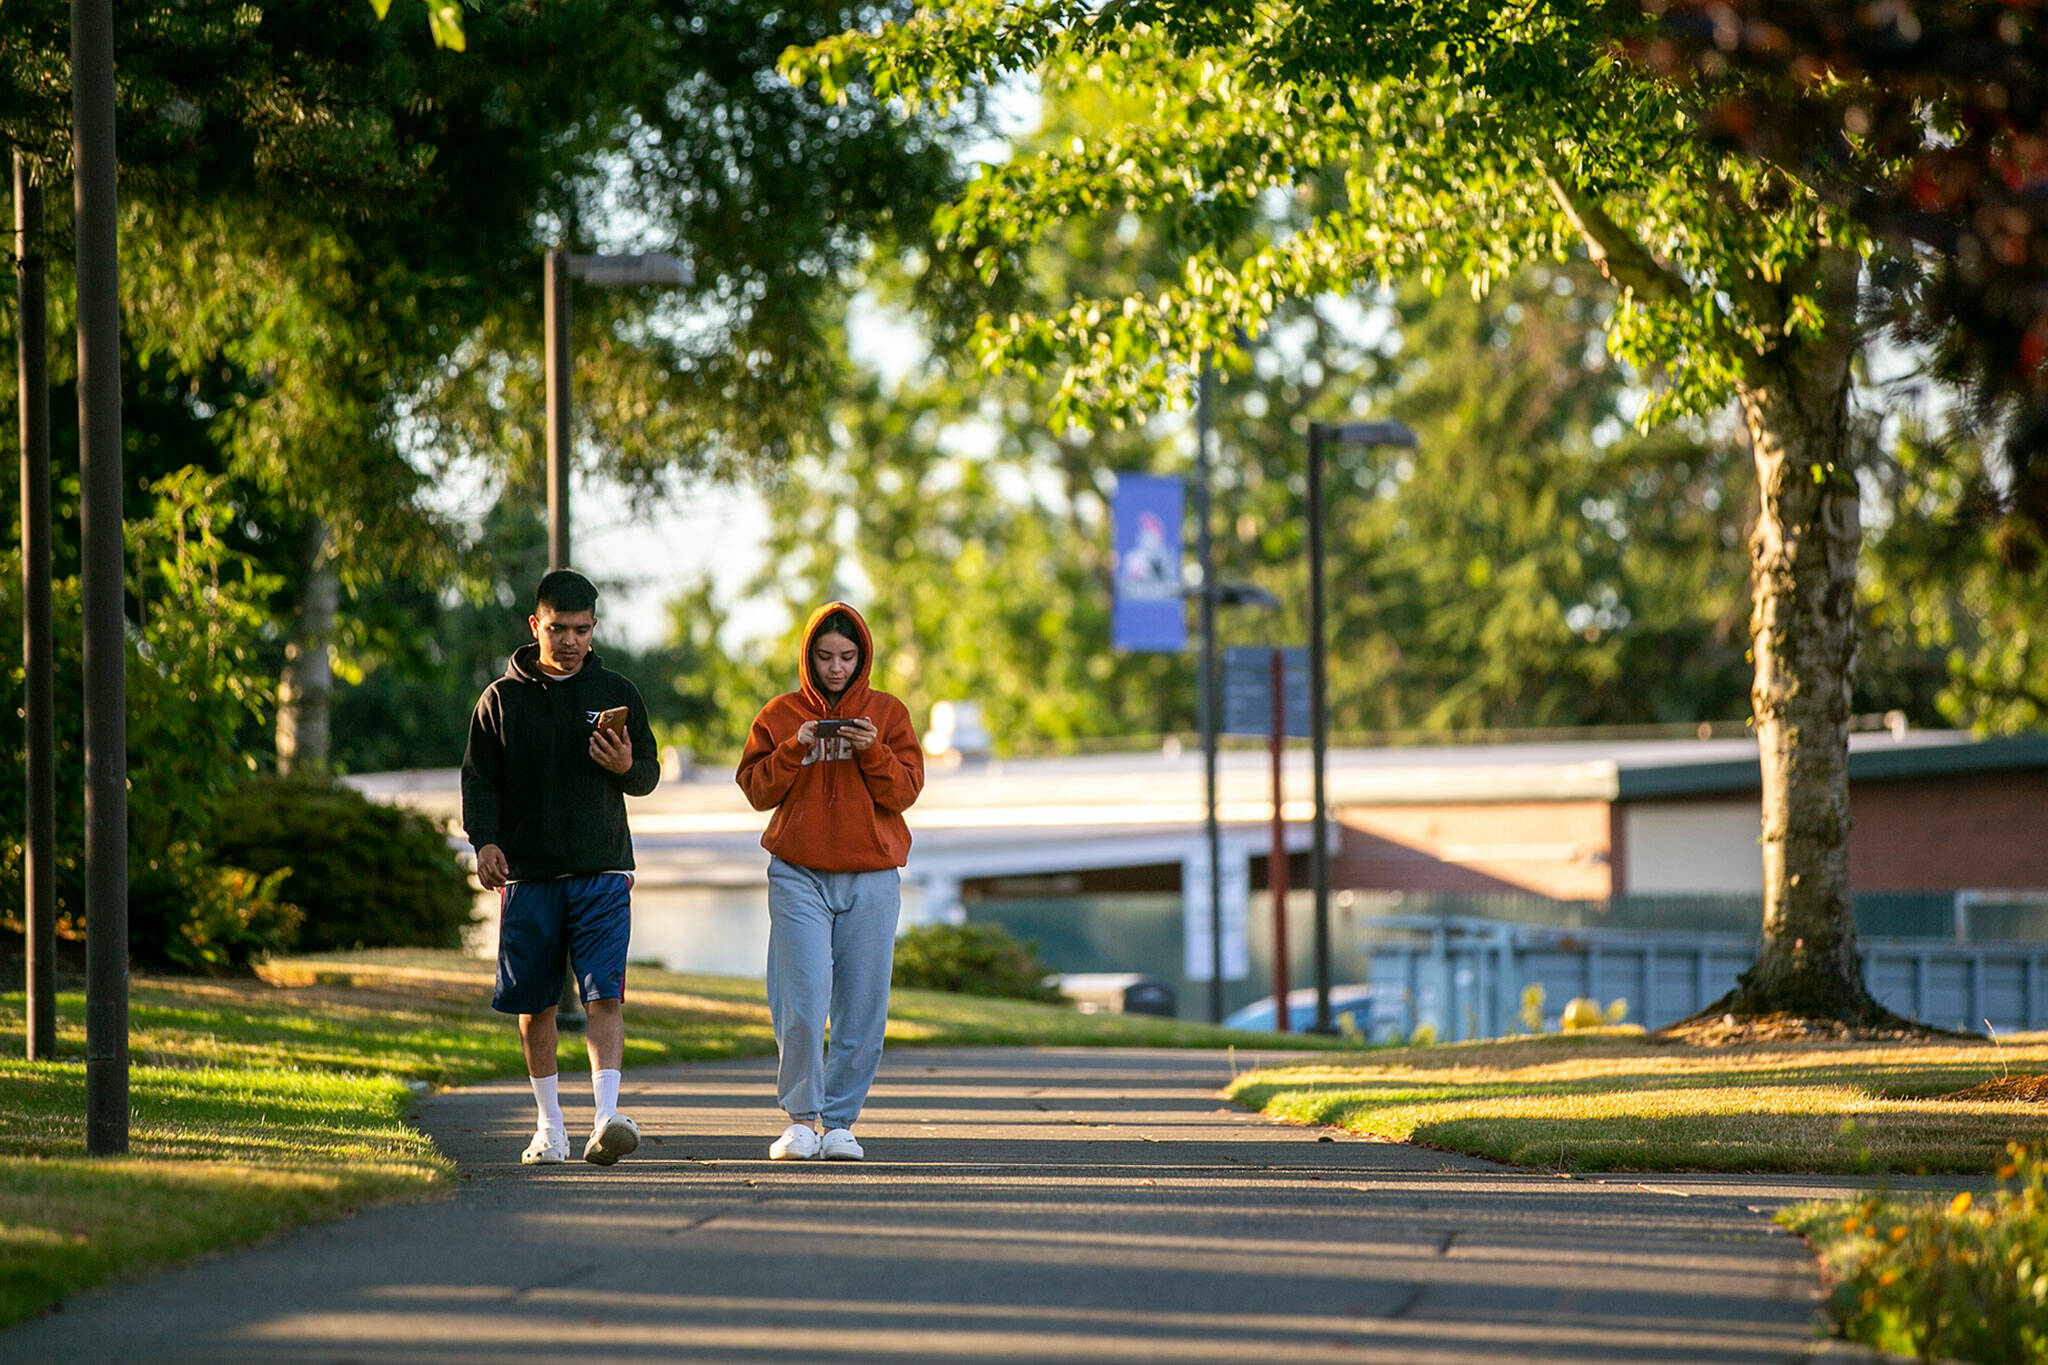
1956, 1278
263, 1105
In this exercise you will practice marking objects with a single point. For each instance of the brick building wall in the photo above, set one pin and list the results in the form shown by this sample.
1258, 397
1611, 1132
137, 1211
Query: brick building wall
1550, 848
1986, 831
1971, 831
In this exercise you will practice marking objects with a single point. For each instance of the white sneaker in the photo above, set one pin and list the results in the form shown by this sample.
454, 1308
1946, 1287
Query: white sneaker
840, 1146
799, 1142
610, 1140
550, 1147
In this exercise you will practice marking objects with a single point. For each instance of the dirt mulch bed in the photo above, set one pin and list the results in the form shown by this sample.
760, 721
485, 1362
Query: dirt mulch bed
2029, 1089
1732, 1030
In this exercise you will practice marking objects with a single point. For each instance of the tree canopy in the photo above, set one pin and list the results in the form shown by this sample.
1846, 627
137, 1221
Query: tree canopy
332, 233
331, 243
1465, 140
1929, 123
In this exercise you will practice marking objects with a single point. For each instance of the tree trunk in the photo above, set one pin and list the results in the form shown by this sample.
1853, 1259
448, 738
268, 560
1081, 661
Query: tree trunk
307, 687
1803, 634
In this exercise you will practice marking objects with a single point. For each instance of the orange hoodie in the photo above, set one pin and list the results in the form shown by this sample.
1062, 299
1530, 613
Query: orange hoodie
837, 809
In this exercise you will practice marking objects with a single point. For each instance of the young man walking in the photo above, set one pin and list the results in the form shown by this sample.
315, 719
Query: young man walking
544, 782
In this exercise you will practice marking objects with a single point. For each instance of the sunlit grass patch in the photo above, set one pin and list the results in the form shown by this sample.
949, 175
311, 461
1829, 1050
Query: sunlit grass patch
1605, 1100
219, 1156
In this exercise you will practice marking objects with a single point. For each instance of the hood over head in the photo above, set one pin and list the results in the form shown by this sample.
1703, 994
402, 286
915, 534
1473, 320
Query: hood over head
857, 690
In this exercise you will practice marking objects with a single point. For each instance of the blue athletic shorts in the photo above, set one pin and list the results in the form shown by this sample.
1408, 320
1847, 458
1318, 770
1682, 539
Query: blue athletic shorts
592, 915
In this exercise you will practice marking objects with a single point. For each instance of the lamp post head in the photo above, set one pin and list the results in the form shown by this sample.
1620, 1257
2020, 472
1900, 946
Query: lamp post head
1245, 595
1386, 433
623, 272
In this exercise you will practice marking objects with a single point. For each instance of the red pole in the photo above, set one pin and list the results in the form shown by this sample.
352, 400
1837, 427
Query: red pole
1276, 861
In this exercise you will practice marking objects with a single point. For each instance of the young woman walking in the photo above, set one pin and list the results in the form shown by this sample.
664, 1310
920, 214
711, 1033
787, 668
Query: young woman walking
839, 763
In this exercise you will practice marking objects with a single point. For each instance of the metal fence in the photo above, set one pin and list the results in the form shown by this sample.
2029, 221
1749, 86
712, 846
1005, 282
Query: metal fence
1465, 978
1461, 962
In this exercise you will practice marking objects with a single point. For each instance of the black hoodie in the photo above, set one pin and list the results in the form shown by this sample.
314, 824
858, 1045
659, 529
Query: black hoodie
529, 784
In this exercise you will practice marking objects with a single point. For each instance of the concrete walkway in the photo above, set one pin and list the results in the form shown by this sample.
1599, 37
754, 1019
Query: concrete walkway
1072, 1205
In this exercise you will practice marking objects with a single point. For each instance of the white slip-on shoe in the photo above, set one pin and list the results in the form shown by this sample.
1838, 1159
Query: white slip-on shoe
799, 1142
550, 1146
610, 1140
840, 1146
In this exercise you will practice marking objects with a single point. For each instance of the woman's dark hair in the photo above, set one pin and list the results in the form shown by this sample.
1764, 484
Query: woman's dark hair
565, 590
838, 623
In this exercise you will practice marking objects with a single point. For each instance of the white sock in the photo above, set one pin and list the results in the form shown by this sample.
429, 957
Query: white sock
547, 1095
604, 1086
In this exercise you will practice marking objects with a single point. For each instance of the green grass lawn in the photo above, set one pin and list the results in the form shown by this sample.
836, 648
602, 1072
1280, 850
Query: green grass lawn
262, 1105
1613, 1100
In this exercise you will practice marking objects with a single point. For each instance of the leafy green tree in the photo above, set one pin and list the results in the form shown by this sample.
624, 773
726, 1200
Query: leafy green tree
983, 575
1466, 139
406, 700
1534, 563
1919, 119
1949, 614
332, 232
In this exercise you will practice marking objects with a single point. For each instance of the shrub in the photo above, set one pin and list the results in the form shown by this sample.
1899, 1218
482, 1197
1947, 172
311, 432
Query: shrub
1961, 1279
366, 875
189, 915
971, 959
187, 716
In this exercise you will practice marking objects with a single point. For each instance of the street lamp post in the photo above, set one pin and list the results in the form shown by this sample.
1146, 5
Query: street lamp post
39, 861
1209, 695
558, 268
1205, 695
610, 272
102, 566
1320, 434
1211, 721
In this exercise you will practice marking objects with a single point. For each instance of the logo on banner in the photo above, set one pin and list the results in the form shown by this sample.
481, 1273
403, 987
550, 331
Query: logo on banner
1150, 612
1150, 570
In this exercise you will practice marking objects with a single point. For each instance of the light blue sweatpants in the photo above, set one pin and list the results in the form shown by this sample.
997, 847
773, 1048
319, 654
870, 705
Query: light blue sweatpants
831, 943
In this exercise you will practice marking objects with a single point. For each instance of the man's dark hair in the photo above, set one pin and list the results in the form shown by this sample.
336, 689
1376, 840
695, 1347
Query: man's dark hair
565, 590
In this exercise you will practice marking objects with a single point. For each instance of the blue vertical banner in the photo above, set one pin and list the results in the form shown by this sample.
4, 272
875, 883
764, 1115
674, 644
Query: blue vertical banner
1150, 609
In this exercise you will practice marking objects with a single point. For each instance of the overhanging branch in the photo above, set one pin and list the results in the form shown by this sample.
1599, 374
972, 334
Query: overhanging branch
1620, 257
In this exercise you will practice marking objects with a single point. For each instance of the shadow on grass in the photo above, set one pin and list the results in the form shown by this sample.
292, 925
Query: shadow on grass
1767, 1141
1616, 1104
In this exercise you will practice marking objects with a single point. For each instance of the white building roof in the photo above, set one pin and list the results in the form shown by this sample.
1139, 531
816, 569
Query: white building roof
1019, 816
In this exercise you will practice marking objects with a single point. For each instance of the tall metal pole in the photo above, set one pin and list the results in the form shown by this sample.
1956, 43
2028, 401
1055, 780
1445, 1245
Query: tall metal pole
39, 869
1318, 724
106, 689
555, 288
1209, 694
1276, 860
569, 1015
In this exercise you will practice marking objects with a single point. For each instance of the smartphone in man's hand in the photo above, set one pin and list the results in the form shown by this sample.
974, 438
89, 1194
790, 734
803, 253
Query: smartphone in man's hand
613, 720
